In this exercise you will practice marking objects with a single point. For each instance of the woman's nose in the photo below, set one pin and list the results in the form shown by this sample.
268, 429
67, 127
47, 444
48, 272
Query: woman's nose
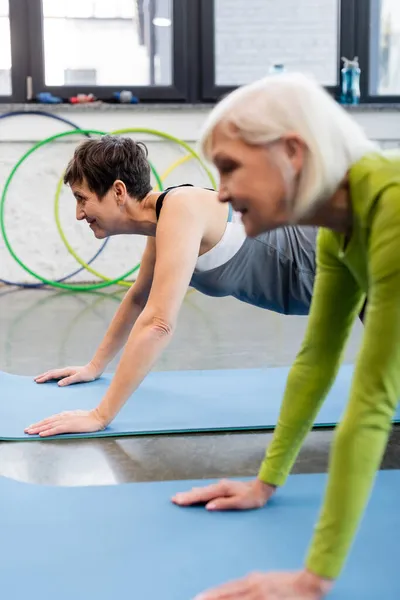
79, 213
223, 195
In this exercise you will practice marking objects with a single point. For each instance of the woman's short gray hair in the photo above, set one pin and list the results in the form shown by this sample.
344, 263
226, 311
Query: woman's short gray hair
264, 111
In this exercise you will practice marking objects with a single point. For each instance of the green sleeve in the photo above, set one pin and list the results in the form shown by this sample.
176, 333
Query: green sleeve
335, 304
362, 436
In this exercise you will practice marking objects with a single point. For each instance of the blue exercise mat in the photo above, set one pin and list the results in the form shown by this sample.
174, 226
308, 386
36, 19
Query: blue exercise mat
167, 402
130, 541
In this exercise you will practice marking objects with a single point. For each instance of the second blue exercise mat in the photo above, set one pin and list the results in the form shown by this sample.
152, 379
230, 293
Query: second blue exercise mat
128, 542
167, 402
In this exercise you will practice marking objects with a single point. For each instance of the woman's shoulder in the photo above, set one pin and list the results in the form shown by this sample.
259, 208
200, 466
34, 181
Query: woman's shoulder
185, 208
186, 192
186, 189
371, 176
181, 195
374, 163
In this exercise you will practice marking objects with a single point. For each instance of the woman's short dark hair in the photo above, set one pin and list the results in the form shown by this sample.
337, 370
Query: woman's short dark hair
102, 161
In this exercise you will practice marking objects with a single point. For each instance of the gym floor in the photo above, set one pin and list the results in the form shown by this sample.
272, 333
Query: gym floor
42, 329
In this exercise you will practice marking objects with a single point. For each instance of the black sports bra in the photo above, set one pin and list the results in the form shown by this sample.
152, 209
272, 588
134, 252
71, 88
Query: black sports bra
161, 197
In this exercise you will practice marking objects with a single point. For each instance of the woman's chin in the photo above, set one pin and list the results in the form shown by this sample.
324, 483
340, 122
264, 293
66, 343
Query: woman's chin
254, 226
250, 226
99, 234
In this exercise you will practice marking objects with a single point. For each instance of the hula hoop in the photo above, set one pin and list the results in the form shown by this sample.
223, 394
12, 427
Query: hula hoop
175, 165
56, 284
171, 138
42, 113
39, 113
87, 132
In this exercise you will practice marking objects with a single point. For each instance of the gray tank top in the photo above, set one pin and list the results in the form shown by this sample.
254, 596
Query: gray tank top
274, 270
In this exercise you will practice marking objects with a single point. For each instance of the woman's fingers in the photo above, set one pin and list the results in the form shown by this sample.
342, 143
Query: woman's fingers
227, 495
67, 376
50, 429
77, 421
54, 374
233, 590
41, 376
236, 502
203, 494
71, 379
55, 429
42, 422
36, 428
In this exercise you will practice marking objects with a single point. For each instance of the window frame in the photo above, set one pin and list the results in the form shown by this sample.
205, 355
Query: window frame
211, 92
176, 92
364, 37
19, 52
193, 66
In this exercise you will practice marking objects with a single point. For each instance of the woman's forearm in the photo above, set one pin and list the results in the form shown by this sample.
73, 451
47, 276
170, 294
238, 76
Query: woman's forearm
336, 302
175, 259
356, 456
118, 331
305, 392
146, 342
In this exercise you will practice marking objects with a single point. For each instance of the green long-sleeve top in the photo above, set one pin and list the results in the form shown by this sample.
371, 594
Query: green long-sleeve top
369, 264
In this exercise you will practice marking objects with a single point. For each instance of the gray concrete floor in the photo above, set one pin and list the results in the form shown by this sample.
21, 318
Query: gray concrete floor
41, 329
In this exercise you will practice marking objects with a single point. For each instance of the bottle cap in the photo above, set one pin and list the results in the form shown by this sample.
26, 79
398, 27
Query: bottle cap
350, 63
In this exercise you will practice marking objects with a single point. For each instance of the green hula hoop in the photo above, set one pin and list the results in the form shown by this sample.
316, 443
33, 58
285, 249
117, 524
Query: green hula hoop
68, 245
154, 132
175, 140
10, 177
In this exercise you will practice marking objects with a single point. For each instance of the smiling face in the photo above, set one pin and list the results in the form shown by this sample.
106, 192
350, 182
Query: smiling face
105, 216
110, 179
259, 181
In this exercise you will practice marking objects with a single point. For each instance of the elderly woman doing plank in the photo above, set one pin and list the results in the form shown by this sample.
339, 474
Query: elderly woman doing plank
288, 154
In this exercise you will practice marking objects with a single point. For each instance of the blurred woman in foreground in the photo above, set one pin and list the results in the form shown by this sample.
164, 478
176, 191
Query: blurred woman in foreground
288, 154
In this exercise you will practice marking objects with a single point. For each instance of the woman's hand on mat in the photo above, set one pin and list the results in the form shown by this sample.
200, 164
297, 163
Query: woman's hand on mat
228, 495
76, 421
70, 375
300, 585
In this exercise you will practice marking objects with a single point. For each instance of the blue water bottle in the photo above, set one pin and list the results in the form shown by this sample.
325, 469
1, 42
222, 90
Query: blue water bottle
350, 81
277, 68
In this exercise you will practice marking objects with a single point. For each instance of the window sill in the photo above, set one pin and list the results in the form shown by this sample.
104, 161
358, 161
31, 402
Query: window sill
374, 107
103, 107
162, 106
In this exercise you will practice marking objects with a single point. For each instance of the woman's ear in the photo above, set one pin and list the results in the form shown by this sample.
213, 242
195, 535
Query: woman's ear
295, 150
120, 193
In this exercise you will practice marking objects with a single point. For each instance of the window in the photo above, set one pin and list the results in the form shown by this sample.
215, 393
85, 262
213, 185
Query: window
5, 50
80, 76
103, 47
299, 35
120, 41
385, 48
5, 82
192, 50
243, 45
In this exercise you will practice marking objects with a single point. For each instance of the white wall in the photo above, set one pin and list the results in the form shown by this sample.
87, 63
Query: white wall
30, 200
302, 35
